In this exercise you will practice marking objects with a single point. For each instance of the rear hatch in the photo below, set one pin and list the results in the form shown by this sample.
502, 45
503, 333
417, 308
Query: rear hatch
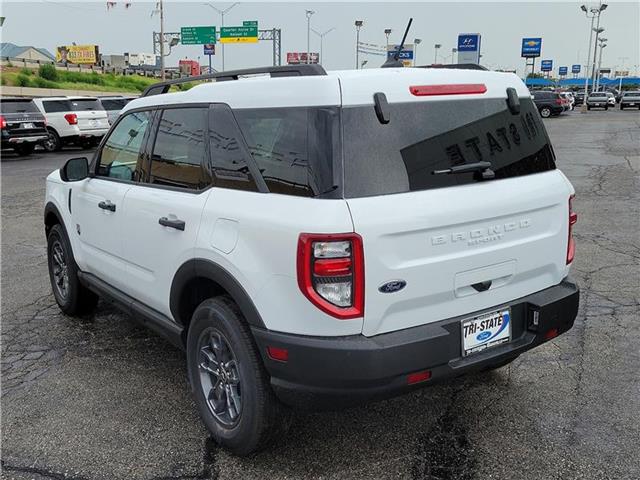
461, 243
91, 115
22, 118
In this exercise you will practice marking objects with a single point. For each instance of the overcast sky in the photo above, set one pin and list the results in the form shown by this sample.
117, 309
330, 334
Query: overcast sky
562, 25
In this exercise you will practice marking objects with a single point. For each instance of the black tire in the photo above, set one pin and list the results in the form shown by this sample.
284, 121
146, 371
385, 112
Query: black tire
71, 296
588, 107
545, 112
606, 108
621, 107
25, 149
53, 142
87, 143
261, 418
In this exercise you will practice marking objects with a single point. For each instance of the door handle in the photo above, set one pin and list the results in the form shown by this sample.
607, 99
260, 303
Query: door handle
107, 205
171, 223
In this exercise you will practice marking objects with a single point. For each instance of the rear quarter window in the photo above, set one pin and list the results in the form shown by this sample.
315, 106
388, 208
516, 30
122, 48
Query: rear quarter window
422, 137
18, 106
56, 106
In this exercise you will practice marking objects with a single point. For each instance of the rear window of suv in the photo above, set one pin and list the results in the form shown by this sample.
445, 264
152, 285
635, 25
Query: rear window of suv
422, 137
79, 105
18, 106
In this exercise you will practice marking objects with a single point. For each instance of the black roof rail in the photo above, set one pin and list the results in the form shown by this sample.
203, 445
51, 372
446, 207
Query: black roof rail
303, 70
456, 66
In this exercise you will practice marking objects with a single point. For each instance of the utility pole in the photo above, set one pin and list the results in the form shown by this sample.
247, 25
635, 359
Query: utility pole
222, 13
359, 24
322, 35
162, 74
309, 13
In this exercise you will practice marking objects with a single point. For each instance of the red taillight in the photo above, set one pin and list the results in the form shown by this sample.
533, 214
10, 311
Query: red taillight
418, 377
573, 218
331, 273
449, 89
559, 101
3, 122
549, 334
71, 118
278, 354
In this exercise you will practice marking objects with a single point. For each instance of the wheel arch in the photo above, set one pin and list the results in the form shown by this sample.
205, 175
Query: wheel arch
199, 279
52, 217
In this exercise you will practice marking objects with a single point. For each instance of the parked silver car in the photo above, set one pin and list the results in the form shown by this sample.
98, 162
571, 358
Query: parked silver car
113, 106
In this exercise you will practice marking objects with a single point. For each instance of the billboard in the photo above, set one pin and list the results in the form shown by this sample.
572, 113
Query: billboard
546, 65
562, 71
575, 68
78, 54
296, 58
469, 48
531, 47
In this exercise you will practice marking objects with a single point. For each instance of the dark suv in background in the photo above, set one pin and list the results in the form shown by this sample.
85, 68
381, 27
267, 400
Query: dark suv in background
21, 124
548, 103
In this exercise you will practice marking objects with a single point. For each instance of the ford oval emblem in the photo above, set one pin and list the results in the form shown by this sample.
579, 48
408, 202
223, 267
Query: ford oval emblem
393, 286
481, 337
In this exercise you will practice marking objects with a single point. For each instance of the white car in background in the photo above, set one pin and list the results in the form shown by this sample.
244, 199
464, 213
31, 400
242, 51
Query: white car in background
568, 96
80, 121
114, 105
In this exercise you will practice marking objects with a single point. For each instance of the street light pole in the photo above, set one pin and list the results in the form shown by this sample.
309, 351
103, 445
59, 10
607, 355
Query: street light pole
359, 24
322, 35
308, 13
387, 32
222, 13
416, 42
595, 12
602, 45
162, 75
436, 47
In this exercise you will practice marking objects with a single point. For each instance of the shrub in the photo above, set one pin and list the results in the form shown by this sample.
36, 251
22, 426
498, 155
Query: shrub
23, 81
44, 83
48, 72
26, 71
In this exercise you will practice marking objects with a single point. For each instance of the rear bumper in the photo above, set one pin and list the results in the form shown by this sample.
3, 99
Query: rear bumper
342, 371
19, 139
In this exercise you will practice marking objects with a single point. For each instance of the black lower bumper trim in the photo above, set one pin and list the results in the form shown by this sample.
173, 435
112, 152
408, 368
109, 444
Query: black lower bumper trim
349, 370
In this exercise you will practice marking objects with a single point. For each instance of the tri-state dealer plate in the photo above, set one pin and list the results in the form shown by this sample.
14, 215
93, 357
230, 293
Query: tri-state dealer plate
485, 331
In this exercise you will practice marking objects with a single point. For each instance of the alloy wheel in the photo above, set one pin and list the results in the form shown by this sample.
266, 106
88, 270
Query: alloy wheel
60, 270
219, 377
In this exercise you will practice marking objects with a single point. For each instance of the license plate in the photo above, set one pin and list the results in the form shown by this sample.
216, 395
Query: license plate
632, 104
28, 125
597, 104
486, 331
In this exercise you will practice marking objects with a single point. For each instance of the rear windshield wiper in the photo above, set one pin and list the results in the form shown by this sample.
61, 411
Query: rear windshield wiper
484, 168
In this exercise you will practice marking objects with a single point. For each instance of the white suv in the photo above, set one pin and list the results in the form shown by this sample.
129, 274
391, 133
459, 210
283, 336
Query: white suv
73, 120
322, 237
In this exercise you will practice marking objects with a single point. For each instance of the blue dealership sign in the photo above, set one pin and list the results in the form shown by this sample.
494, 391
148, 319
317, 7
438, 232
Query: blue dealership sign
546, 65
531, 47
575, 68
562, 71
468, 42
405, 54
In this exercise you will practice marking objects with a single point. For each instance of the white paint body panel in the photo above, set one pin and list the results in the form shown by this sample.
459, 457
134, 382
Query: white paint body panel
423, 238
90, 122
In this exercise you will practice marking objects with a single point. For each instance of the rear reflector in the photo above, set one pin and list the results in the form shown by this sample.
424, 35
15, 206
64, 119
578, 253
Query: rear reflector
278, 354
449, 89
553, 333
418, 377
573, 218
332, 267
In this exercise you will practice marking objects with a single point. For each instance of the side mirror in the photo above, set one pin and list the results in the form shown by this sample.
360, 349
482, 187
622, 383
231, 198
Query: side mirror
75, 169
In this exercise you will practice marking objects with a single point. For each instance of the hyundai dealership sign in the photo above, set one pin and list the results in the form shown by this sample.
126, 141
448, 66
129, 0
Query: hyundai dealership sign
469, 48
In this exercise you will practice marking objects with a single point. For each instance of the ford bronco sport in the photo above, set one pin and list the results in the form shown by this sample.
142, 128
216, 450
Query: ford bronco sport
314, 238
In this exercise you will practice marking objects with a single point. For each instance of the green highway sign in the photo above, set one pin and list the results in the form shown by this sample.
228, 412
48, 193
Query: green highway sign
197, 35
250, 23
244, 34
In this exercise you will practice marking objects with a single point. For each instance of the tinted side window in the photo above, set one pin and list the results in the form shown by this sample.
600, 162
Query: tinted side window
228, 163
113, 104
18, 106
179, 153
121, 155
80, 105
54, 106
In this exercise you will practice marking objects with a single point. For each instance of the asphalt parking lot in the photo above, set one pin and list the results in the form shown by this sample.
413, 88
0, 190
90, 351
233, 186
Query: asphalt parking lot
102, 398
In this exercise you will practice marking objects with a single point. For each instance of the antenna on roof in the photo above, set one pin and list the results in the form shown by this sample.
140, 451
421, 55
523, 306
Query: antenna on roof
394, 61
